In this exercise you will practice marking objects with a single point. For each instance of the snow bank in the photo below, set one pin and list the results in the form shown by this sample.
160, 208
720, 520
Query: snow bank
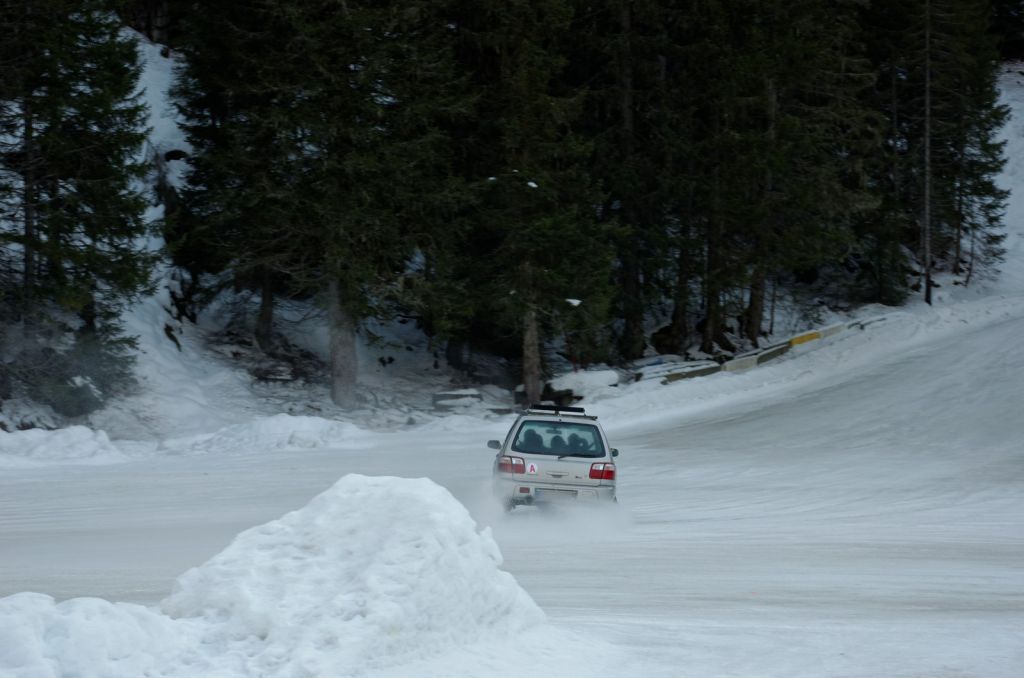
75, 444
848, 353
155, 84
371, 574
82, 445
278, 432
40, 638
586, 381
1011, 93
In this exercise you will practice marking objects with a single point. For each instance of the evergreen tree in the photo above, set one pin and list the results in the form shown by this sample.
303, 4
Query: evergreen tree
314, 152
621, 59
882, 234
1008, 27
71, 129
968, 157
241, 198
813, 134
938, 92
532, 240
386, 179
769, 154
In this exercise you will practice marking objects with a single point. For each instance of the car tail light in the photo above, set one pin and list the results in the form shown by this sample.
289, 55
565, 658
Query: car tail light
602, 471
511, 465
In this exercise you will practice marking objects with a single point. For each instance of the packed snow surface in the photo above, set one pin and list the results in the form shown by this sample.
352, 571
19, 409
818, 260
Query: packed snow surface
372, 573
852, 510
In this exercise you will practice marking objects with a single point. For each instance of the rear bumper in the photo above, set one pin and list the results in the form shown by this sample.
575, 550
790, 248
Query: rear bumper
518, 490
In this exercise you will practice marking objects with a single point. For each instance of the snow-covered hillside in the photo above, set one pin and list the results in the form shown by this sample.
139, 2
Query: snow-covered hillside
854, 510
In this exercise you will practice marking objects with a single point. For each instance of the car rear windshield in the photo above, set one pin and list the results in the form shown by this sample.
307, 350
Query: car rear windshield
558, 438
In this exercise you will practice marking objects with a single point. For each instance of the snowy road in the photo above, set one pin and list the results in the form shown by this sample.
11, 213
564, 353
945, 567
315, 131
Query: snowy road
846, 517
872, 527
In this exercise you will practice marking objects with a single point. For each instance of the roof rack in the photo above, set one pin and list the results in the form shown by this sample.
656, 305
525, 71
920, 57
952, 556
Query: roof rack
537, 408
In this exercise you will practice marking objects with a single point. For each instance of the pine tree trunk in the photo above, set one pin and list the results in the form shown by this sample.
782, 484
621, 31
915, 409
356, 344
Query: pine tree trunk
927, 225
711, 304
5, 380
632, 343
753, 315
531, 357
712, 293
264, 331
48, 192
626, 79
958, 234
679, 330
958, 215
149, 17
29, 214
344, 365
713, 321
755, 309
970, 261
88, 317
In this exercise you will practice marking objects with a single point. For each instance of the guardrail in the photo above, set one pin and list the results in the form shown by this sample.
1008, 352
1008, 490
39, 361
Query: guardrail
676, 371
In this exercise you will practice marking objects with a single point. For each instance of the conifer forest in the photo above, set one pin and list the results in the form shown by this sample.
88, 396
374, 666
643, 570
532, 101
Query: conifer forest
612, 176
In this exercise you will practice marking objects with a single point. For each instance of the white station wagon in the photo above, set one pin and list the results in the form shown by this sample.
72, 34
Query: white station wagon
553, 453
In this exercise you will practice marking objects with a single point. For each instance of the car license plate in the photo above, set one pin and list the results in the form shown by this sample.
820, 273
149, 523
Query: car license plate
545, 493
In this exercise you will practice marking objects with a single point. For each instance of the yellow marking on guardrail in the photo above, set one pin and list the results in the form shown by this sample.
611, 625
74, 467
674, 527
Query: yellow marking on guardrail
804, 338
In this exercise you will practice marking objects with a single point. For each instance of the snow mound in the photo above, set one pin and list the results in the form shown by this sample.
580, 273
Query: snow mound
586, 381
75, 444
372, 574
40, 638
277, 432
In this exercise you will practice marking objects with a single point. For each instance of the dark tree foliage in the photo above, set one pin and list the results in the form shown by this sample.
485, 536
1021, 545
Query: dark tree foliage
598, 178
158, 20
1007, 25
71, 132
620, 61
665, 163
317, 165
937, 68
530, 222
